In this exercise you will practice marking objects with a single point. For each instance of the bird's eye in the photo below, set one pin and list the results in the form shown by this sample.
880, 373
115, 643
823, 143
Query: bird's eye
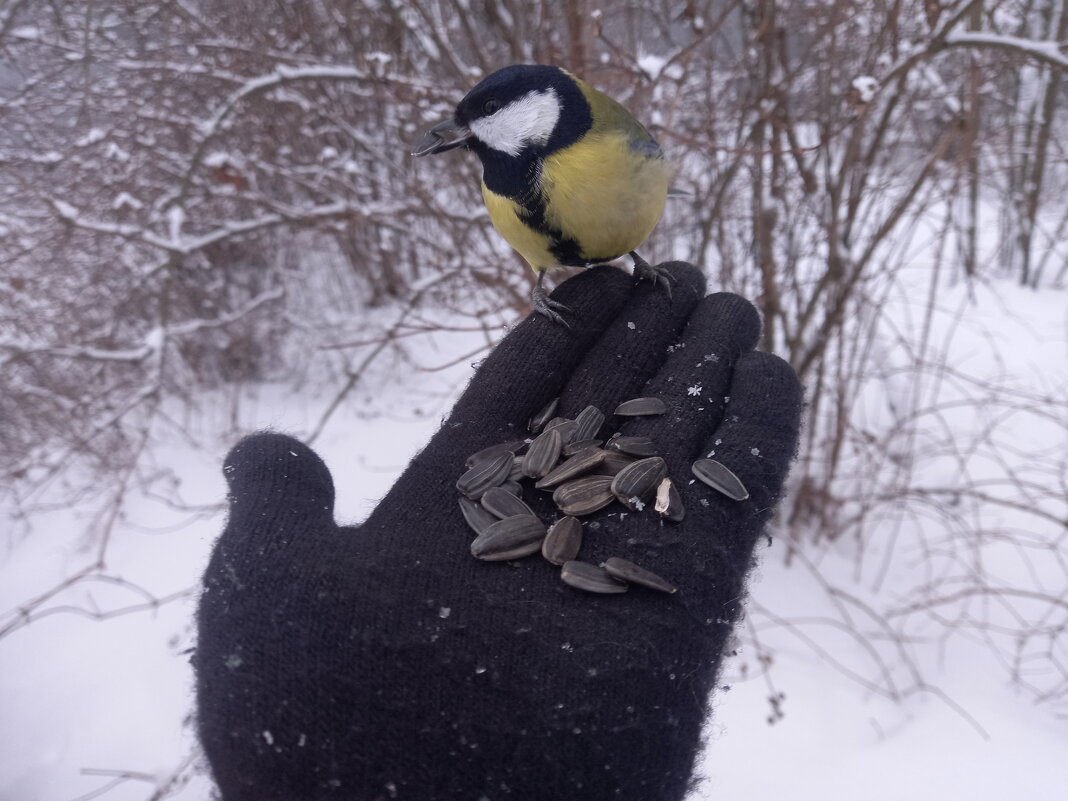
491, 107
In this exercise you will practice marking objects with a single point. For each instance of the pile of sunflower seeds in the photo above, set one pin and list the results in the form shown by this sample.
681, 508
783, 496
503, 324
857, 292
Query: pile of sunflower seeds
593, 473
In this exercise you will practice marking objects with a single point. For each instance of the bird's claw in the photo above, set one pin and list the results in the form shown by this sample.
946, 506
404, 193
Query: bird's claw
644, 271
547, 307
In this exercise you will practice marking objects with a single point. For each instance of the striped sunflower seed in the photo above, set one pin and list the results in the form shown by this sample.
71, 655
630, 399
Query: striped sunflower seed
511, 538
635, 483
543, 453
580, 463
567, 428
516, 472
563, 541
493, 451
501, 503
476, 516
584, 576
513, 486
669, 502
588, 423
614, 461
580, 445
628, 571
720, 479
538, 421
637, 407
485, 474
584, 496
634, 446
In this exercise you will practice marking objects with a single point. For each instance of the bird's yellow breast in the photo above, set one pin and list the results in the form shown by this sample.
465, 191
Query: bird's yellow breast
600, 192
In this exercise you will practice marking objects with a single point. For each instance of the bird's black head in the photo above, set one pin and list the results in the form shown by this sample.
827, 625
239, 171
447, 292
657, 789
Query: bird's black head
524, 110
521, 112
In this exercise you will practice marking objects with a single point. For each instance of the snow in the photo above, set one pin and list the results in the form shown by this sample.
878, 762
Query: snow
866, 87
91, 138
651, 65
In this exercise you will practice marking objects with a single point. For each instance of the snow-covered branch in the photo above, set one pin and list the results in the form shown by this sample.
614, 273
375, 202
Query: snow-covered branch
1047, 51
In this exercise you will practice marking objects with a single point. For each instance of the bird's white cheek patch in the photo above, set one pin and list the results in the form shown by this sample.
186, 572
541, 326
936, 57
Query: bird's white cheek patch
530, 120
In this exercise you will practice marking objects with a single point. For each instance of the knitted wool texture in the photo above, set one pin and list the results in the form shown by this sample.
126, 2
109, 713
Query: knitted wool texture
383, 661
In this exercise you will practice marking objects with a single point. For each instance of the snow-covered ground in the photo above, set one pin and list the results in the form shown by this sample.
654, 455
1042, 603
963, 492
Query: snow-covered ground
99, 708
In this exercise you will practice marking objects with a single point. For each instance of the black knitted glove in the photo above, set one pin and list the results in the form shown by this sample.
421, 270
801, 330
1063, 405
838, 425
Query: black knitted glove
383, 661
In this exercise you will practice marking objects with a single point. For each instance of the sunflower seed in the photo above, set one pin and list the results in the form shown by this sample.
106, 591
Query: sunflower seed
485, 474
636, 482
669, 502
564, 426
614, 461
513, 486
501, 503
641, 406
584, 576
476, 516
516, 472
563, 540
635, 446
584, 496
578, 464
511, 538
580, 445
628, 571
538, 421
720, 478
543, 454
493, 451
588, 423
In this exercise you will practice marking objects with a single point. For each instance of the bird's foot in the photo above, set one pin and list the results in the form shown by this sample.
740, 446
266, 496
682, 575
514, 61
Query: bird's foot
644, 271
548, 307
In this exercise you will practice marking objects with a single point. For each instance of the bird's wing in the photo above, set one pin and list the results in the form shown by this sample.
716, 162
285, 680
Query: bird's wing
610, 117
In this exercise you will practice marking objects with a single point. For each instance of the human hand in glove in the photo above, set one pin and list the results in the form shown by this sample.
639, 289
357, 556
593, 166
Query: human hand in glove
383, 661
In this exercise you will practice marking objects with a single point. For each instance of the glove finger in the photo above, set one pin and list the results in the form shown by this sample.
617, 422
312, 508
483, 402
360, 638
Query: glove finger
634, 346
757, 438
695, 379
278, 487
530, 366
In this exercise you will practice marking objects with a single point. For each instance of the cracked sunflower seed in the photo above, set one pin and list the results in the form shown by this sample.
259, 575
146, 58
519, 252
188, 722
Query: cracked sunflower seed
584, 496
588, 423
476, 516
543, 453
578, 464
538, 421
563, 541
721, 479
493, 451
640, 406
633, 485
635, 446
633, 574
669, 502
501, 503
511, 538
485, 474
584, 576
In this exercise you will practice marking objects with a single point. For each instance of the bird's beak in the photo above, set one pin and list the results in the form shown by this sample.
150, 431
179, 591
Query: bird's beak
443, 136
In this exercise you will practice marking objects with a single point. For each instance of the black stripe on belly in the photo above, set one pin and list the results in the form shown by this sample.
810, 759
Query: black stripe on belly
517, 179
566, 250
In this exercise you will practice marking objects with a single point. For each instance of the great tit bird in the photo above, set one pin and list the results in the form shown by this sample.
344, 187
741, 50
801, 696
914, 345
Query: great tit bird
570, 178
